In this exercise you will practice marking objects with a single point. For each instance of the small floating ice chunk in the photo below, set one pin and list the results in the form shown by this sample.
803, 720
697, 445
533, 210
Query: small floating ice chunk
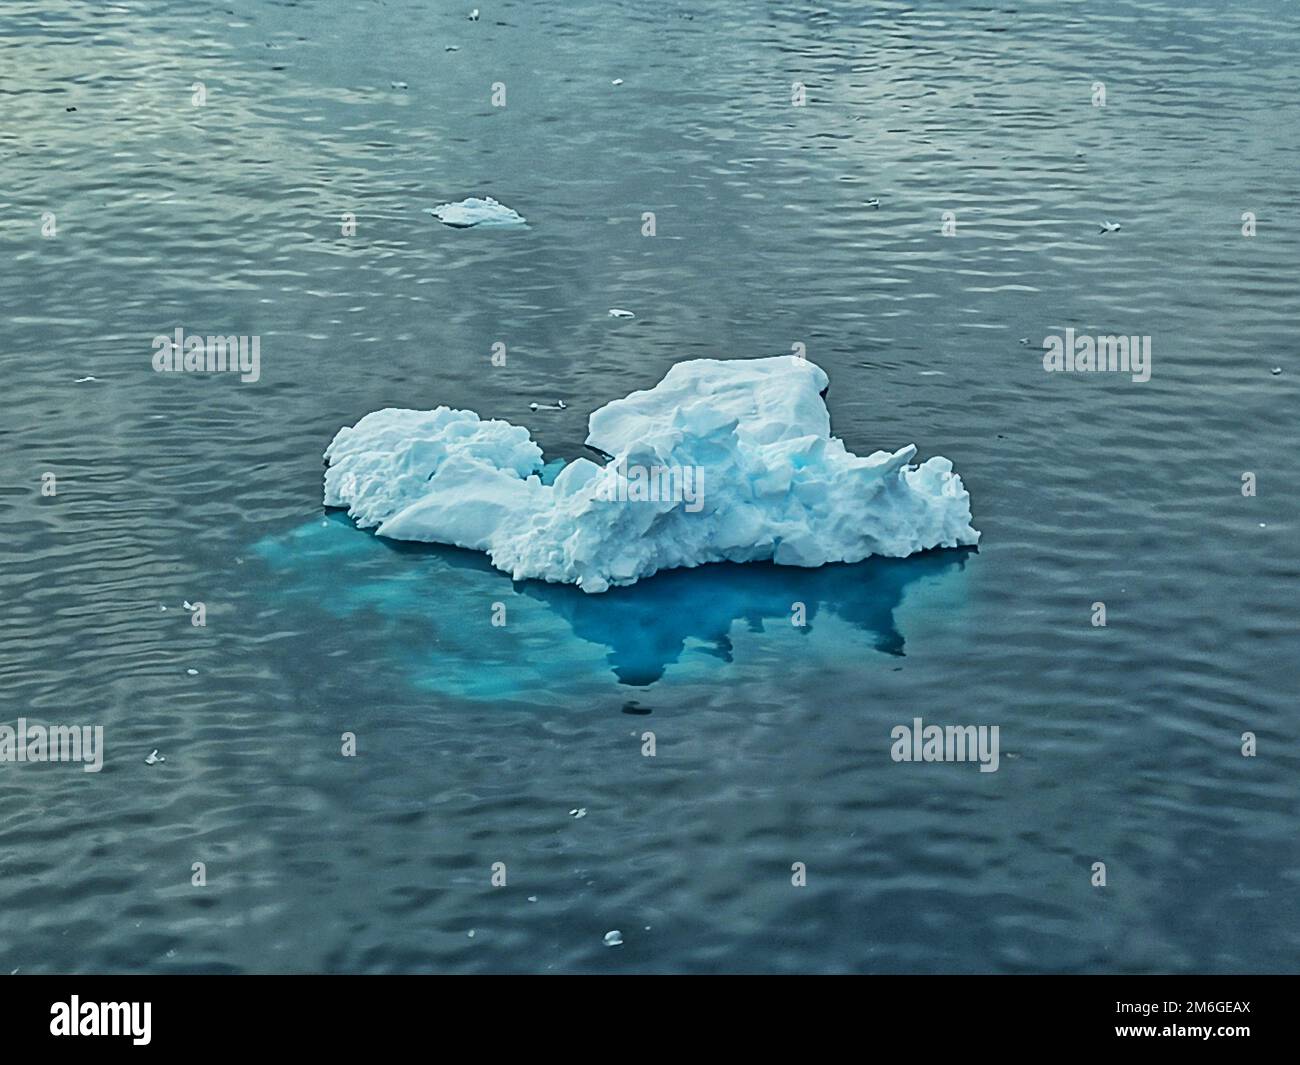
618, 312
154, 758
559, 404
192, 672
476, 212
1277, 370
617, 81
1110, 227
614, 938
873, 203
473, 15
581, 811
398, 84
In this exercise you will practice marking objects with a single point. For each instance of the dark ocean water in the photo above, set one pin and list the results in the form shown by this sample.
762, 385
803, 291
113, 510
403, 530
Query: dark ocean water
1119, 744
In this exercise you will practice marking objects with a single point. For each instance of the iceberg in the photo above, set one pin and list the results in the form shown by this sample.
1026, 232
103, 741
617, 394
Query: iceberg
476, 212
722, 461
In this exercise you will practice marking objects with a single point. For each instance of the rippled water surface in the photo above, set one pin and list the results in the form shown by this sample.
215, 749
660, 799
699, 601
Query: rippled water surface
1119, 744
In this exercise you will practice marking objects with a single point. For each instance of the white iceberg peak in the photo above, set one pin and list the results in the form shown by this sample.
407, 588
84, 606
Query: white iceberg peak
723, 460
476, 212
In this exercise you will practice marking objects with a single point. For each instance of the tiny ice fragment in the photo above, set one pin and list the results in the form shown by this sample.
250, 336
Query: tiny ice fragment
476, 212
618, 312
614, 938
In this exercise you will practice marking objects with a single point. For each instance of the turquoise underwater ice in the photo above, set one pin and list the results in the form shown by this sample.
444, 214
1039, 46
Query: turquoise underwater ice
428, 610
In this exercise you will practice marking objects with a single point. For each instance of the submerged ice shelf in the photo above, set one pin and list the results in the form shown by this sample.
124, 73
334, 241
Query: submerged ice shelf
398, 615
723, 460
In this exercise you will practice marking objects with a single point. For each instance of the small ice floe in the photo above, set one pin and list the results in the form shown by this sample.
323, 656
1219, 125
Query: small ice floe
476, 212
154, 757
398, 84
1109, 227
83, 380
614, 938
532, 898
617, 81
473, 17
470, 933
559, 404
581, 811
1277, 370
873, 203
932, 373
192, 672
1024, 340
618, 312
452, 48
187, 605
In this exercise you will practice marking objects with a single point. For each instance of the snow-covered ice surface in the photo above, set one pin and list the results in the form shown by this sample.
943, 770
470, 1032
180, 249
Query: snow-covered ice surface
476, 212
752, 436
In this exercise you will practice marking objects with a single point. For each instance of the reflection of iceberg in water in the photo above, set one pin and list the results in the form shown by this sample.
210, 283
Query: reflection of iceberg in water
647, 628
431, 614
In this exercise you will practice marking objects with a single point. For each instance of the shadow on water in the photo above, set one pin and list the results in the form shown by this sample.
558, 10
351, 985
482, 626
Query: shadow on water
429, 599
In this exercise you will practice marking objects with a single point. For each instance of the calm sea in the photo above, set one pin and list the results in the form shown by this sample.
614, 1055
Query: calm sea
167, 164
